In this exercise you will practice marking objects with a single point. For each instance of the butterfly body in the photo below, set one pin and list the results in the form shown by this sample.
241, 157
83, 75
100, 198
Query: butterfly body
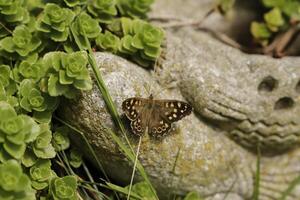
156, 115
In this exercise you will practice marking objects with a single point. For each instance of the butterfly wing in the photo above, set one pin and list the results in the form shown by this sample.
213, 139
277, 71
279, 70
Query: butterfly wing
164, 113
135, 109
173, 110
138, 126
158, 126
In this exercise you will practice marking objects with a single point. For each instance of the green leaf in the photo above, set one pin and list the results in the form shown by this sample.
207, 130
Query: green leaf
26, 86
260, 30
274, 19
43, 117
16, 151
274, 3
29, 158
4, 75
75, 158
44, 138
60, 139
31, 128
225, 5
7, 111
192, 196
133, 8
137, 41
54, 88
7, 44
292, 9
45, 153
83, 84
64, 79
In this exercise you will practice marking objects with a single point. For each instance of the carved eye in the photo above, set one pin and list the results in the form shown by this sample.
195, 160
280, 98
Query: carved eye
284, 103
268, 84
297, 88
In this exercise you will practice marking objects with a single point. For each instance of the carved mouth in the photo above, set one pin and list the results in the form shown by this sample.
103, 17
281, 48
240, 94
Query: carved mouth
270, 137
250, 133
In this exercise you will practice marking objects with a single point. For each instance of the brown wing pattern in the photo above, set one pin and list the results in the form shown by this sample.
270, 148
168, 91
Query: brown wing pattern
158, 125
158, 115
165, 113
135, 110
173, 110
133, 107
138, 126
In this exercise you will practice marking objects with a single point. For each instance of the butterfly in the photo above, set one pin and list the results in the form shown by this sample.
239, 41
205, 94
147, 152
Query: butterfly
157, 115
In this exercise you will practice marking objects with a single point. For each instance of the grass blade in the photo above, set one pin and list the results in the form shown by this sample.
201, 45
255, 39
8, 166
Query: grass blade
290, 188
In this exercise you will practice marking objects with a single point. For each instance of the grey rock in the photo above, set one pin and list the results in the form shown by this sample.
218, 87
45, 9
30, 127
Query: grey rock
240, 100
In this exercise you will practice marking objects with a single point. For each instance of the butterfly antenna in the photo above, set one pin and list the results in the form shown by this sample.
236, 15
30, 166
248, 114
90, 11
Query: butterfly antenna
134, 167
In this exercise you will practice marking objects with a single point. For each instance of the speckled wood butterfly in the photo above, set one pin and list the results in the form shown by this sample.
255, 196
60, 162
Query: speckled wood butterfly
157, 115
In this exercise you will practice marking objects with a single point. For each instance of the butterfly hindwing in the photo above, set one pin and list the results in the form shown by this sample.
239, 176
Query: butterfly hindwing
133, 107
137, 126
158, 126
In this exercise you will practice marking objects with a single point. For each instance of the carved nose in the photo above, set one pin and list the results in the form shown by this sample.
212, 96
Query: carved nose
284, 103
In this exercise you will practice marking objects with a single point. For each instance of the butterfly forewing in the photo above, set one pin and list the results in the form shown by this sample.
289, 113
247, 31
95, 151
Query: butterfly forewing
133, 107
173, 110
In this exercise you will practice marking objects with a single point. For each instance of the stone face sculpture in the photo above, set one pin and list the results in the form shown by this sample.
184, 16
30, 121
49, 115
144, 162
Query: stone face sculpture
239, 101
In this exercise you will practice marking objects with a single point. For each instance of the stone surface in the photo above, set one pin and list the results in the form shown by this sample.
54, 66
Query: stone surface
239, 99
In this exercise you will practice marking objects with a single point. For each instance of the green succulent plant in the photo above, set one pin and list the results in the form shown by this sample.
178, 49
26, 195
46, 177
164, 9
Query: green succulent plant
61, 140
29, 158
55, 22
103, 10
5, 75
141, 39
16, 131
260, 32
108, 42
67, 73
35, 74
22, 42
148, 39
192, 196
85, 25
14, 184
7, 86
41, 174
142, 190
42, 146
33, 99
280, 16
29, 70
274, 19
13, 11
134, 8
64, 188
75, 158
